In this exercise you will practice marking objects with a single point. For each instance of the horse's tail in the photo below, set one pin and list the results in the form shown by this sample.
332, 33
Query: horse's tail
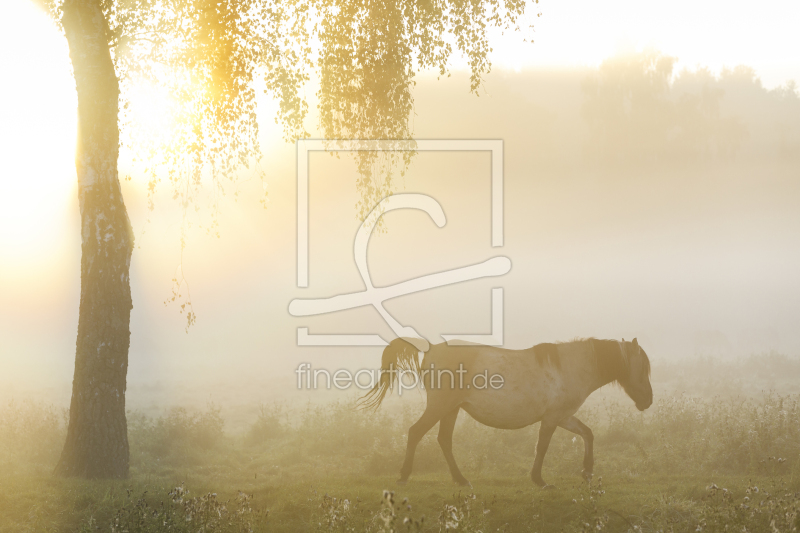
399, 356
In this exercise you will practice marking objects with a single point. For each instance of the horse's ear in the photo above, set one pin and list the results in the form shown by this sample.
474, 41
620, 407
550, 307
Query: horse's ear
635, 343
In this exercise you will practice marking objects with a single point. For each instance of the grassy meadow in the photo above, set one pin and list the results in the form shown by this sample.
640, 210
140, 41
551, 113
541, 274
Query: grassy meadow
719, 450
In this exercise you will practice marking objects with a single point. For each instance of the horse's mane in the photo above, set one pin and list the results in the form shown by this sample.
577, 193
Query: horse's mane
610, 356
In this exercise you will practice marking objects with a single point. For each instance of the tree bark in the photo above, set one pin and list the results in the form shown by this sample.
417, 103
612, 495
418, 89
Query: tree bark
97, 437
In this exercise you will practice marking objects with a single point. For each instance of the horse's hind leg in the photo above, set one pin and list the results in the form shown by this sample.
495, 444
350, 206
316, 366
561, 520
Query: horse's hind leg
576, 426
446, 426
415, 434
546, 430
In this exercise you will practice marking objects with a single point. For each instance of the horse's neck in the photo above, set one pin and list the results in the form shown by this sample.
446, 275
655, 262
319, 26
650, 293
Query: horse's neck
589, 371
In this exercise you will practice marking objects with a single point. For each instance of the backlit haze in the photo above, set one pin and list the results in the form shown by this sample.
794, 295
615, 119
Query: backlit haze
694, 260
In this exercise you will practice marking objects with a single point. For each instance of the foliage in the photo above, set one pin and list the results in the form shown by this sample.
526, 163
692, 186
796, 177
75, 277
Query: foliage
336, 514
627, 100
463, 515
596, 518
268, 425
180, 513
31, 434
637, 112
717, 435
719, 509
369, 55
343, 515
757, 509
184, 437
212, 56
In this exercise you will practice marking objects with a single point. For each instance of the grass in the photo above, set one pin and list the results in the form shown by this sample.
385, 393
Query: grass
719, 463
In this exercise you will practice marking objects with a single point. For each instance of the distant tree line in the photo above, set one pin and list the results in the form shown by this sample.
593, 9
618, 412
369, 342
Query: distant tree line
638, 111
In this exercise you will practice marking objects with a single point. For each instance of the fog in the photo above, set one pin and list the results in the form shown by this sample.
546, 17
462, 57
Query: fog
639, 201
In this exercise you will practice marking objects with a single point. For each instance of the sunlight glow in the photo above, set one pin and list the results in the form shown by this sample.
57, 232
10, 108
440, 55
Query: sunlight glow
37, 138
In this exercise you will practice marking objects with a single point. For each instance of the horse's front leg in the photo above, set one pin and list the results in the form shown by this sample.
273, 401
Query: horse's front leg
546, 430
579, 428
446, 426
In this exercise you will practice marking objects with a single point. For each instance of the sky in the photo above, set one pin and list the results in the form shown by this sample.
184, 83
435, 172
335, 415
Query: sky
711, 33
725, 268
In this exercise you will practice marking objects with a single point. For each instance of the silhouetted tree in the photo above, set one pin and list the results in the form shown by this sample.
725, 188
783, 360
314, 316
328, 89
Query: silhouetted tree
638, 112
626, 105
209, 54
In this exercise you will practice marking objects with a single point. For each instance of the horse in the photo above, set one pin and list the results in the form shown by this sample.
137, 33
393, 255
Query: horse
547, 383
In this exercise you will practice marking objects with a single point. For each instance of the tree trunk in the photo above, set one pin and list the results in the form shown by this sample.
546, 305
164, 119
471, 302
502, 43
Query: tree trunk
97, 437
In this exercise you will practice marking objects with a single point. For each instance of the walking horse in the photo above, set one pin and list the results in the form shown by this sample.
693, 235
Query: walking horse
547, 383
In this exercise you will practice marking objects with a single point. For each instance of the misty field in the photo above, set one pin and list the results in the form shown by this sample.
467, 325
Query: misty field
719, 450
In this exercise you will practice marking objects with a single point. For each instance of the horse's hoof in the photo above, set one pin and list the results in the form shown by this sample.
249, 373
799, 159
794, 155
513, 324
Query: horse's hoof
402, 481
586, 476
463, 483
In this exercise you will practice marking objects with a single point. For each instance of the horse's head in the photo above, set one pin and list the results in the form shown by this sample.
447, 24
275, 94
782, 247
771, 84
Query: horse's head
635, 379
